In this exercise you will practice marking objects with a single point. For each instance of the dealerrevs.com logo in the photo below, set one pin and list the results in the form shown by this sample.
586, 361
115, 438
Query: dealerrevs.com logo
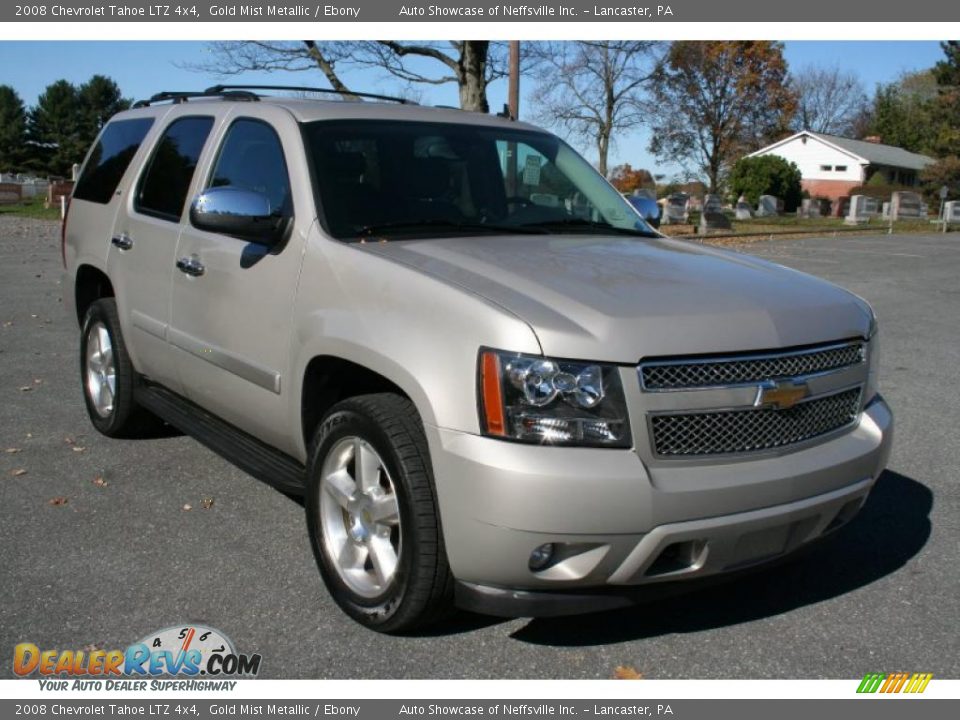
898, 682
181, 654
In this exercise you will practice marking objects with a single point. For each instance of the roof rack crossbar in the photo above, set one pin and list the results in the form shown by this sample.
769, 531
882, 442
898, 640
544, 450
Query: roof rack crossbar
219, 89
178, 96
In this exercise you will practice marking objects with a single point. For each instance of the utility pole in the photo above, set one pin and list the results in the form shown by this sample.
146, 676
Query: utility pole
514, 87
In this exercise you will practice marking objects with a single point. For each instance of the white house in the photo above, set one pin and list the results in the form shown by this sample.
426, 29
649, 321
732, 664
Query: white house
832, 166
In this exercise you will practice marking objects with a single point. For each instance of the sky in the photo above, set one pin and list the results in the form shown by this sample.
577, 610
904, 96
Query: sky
143, 68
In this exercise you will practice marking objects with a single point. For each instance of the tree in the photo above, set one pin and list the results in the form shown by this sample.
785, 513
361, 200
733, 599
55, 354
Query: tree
903, 112
625, 179
471, 64
13, 130
947, 105
592, 89
100, 99
718, 100
829, 101
55, 130
767, 175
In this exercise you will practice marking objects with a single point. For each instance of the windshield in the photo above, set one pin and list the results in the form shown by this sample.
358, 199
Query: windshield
413, 179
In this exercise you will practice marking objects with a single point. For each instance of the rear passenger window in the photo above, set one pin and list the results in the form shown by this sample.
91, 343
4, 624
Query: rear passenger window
164, 187
251, 158
109, 159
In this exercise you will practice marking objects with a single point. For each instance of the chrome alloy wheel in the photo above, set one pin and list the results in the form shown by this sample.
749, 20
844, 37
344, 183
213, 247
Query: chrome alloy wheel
100, 369
360, 517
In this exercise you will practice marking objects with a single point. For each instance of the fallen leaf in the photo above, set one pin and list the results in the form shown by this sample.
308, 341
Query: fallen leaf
12, 451
18, 472
69, 440
26, 388
37, 381
206, 503
33, 316
57, 501
77, 448
29, 435
99, 481
92, 647
187, 507
626, 672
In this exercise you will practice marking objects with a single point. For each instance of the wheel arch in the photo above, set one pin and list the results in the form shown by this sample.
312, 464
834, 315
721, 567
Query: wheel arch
329, 379
91, 284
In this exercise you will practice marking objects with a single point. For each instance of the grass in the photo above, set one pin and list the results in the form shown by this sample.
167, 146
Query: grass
32, 208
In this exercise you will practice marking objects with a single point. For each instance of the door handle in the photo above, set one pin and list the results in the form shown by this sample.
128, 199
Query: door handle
122, 241
191, 266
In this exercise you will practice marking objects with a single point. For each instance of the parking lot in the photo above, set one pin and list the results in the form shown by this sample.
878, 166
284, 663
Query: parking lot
104, 541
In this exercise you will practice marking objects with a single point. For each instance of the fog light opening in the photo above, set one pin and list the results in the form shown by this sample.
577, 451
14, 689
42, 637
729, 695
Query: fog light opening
677, 557
541, 556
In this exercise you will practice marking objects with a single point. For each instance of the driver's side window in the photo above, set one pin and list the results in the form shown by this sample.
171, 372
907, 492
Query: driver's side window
251, 158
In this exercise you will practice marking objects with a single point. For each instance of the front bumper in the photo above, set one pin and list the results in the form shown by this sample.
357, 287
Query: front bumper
619, 526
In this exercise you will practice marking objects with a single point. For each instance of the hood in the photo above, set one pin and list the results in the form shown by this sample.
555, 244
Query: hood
620, 299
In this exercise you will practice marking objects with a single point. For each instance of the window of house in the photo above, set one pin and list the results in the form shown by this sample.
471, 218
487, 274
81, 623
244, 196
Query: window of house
841, 168
826, 168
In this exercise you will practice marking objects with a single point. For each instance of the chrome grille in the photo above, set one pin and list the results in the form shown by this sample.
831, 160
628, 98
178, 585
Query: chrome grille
744, 369
738, 431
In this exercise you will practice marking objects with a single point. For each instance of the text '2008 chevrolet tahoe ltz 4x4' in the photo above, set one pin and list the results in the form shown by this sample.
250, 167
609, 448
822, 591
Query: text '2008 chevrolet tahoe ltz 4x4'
495, 385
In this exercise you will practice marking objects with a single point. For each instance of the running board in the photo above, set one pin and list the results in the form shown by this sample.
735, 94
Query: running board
245, 451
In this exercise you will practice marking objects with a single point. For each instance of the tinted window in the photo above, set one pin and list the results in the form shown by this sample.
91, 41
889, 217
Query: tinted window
109, 159
251, 158
166, 183
411, 179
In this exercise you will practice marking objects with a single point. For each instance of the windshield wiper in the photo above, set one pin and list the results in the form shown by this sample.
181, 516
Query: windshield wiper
582, 223
414, 225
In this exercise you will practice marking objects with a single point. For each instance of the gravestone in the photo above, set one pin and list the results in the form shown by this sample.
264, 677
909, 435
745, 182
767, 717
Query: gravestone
951, 212
862, 209
809, 208
743, 211
769, 206
905, 205
10, 193
56, 190
675, 209
712, 216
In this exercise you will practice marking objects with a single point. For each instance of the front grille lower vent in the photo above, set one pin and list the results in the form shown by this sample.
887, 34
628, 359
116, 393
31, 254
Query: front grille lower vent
744, 369
750, 430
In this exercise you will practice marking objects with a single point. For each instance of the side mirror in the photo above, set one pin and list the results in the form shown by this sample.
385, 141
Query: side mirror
240, 213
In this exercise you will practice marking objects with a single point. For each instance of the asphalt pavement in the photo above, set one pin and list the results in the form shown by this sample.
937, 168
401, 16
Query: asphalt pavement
104, 541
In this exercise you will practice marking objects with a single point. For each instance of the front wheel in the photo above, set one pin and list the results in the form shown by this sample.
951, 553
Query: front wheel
372, 515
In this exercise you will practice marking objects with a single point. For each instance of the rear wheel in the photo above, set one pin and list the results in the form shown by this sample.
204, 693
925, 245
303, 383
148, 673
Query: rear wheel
372, 515
108, 376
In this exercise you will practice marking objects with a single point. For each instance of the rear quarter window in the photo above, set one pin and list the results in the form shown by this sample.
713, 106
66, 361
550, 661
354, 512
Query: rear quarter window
109, 159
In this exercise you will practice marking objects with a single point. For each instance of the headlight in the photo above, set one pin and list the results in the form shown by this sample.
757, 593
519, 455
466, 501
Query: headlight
552, 402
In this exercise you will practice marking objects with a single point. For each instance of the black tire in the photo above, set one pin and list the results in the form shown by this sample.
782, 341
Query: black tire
421, 590
125, 419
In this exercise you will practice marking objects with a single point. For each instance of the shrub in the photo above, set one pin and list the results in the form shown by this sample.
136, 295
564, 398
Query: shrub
767, 175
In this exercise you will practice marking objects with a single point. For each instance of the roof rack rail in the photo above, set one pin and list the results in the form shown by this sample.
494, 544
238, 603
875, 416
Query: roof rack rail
177, 96
220, 89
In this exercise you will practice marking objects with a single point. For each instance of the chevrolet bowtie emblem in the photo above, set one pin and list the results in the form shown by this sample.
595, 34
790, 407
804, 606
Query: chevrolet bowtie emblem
781, 394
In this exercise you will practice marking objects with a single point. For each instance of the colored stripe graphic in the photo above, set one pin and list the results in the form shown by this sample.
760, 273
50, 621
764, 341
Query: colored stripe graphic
894, 682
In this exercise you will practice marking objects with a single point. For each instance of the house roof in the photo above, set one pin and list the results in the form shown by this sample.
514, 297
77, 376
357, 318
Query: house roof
868, 153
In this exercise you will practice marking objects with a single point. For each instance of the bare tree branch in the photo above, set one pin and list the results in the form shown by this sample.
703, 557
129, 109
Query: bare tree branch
593, 90
829, 100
